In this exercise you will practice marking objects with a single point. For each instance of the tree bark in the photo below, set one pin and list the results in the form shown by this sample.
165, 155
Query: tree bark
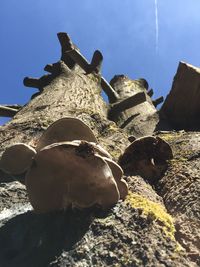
136, 232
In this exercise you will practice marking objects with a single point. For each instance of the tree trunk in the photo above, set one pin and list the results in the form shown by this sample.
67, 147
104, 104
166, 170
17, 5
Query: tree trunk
136, 232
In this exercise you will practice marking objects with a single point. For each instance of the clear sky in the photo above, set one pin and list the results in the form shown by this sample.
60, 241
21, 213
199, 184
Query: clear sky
123, 30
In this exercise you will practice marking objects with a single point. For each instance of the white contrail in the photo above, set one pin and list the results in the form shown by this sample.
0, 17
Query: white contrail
156, 21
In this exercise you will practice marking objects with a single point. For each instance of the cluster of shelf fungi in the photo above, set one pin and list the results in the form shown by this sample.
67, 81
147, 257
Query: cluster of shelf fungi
130, 106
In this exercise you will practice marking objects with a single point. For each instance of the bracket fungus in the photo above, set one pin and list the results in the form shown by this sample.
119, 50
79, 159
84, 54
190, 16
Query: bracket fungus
118, 173
67, 169
69, 174
146, 156
17, 158
66, 129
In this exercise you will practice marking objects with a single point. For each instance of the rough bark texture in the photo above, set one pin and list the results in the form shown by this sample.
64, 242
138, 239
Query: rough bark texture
180, 187
181, 107
137, 120
136, 232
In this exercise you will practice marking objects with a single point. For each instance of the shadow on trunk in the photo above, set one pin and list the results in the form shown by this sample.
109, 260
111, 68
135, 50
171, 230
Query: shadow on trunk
35, 240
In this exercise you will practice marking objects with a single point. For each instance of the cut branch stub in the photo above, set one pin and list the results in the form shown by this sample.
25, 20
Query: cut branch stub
150, 92
158, 101
38, 83
70, 55
83, 63
146, 156
78, 58
127, 103
49, 68
14, 106
54, 68
137, 118
96, 63
66, 129
6, 111
32, 82
62, 177
66, 45
65, 41
17, 159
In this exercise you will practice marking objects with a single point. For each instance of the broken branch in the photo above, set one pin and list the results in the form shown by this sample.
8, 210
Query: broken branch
69, 51
83, 63
158, 101
150, 92
32, 82
127, 103
96, 62
6, 111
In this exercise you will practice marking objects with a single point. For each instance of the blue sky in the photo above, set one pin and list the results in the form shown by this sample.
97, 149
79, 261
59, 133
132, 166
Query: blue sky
124, 31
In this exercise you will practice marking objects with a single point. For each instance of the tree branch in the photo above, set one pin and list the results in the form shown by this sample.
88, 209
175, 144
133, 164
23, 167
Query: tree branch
14, 106
66, 45
49, 68
38, 83
158, 101
96, 63
127, 103
65, 41
69, 51
6, 111
150, 92
83, 63
32, 82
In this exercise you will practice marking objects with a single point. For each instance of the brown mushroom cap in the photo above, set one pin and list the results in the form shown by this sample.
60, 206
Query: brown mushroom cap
146, 156
116, 169
61, 176
97, 148
150, 147
118, 173
66, 129
164, 151
141, 148
99, 151
17, 158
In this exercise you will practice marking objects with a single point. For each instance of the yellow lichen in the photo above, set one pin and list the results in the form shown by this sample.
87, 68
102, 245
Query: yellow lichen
170, 136
45, 123
113, 127
115, 154
156, 211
